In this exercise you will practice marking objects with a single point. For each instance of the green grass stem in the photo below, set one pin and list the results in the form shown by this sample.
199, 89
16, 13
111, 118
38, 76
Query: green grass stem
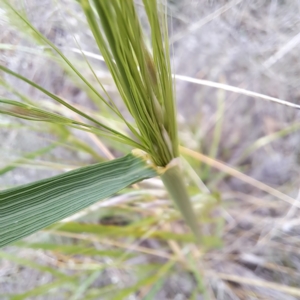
174, 183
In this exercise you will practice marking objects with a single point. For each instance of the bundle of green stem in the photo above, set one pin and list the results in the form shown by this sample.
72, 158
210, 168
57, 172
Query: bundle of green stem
144, 81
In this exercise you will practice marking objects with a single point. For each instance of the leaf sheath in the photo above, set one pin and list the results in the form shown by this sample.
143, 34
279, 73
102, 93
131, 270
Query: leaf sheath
175, 186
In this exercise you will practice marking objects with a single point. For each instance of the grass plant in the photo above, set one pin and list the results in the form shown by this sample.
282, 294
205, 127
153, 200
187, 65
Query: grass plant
132, 243
144, 80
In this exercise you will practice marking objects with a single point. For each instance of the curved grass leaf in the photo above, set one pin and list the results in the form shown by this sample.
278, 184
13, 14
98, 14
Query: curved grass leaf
32, 113
29, 112
104, 128
29, 208
57, 99
41, 39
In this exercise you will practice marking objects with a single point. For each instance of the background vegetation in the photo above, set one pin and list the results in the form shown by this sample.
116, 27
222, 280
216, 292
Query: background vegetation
135, 245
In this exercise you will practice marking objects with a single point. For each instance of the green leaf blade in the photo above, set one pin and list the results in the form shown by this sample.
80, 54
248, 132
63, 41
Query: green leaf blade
29, 208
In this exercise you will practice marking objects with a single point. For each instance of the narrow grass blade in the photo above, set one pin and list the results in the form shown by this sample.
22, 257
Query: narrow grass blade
29, 263
29, 155
257, 282
149, 280
26, 26
217, 132
84, 249
268, 139
106, 129
194, 294
83, 146
83, 287
100, 293
259, 143
43, 289
122, 231
30, 112
33, 113
29, 208
56, 98
155, 289
234, 89
15, 91
241, 176
192, 263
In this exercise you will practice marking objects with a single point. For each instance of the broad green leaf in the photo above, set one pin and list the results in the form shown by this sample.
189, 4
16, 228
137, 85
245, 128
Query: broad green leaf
29, 208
